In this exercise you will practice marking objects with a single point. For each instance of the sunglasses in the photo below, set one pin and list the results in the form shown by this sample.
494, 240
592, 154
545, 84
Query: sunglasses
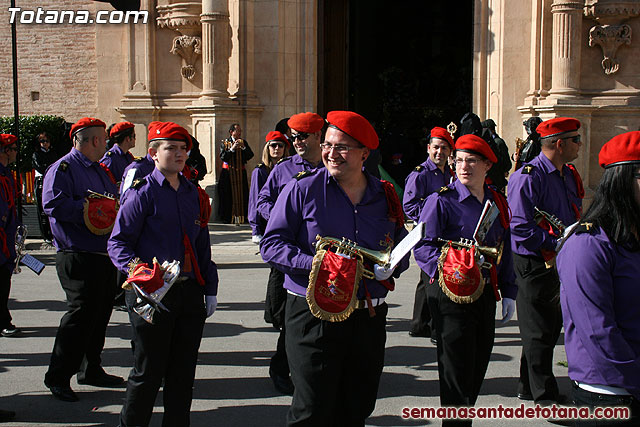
301, 136
636, 175
277, 145
12, 148
574, 139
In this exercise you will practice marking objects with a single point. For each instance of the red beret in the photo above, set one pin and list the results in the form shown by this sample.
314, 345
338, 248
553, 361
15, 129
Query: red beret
442, 133
276, 136
85, 122
7, 139
621, 149
475, 144
120, 127
306, 122
557, 126
354, 125
169, 130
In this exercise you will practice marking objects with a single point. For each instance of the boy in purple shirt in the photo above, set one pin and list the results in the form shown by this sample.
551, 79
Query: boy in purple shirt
160, 217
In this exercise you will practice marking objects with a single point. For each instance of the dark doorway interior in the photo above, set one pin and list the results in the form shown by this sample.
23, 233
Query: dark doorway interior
406, 65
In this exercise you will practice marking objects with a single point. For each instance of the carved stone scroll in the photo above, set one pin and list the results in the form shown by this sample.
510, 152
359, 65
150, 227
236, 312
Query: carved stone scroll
610, 38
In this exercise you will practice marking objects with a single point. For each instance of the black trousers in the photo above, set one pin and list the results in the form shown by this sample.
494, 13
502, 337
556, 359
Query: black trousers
6, 271
585, 398
465, 334
420, 322
275, 304
540, 321
167, 349
335, 366
88, 282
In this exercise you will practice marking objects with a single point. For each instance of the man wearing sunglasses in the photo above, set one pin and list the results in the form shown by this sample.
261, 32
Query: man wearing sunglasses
550, 184
306, 135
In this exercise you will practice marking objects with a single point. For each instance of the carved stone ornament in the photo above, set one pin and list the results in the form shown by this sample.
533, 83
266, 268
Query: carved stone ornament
611, 11
189, 48
183, 17
610, 38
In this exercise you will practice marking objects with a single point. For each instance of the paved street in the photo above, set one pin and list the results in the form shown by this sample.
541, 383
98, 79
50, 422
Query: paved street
232, 386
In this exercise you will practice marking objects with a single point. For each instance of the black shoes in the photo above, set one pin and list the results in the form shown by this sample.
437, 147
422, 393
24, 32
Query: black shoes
63, 393
282, 384
102, 380
10, 331
525, 396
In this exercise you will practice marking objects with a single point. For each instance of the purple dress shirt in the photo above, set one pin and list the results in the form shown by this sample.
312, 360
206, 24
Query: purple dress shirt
316, 205
420, 183
8, 220
63, 194
141, 167
117, 161
454, 214
258, 178
544, 188
282, 173
151, 223
600, 297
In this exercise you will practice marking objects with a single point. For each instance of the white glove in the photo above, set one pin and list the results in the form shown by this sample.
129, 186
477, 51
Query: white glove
508, 308
211, 302
382, 273
256, 239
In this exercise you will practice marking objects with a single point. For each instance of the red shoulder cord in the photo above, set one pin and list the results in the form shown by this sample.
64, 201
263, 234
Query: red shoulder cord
109, 173
579, 188
505, 220
7, 195
393, 203
205, 207
190, 259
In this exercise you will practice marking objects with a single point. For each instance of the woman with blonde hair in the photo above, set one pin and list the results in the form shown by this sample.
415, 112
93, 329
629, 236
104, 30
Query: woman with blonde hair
272, 153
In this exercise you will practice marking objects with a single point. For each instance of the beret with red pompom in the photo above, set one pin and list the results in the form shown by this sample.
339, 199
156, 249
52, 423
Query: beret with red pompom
120, 127
306, 122
354, 125
169, 131
84, 123
7, 139
621, 149
442, 133
557, 126
276, 136
474, 144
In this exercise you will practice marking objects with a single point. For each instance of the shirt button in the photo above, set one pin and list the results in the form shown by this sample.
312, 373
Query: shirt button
356, 231
355, 211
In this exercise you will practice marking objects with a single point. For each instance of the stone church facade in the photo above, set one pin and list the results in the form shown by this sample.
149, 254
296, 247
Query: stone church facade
206, 64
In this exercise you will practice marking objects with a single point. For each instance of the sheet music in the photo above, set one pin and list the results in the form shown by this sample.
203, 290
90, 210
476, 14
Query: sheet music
34, 264
406, 244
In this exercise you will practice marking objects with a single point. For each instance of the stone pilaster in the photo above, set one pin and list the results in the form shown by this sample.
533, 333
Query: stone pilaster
566, 49
216, 47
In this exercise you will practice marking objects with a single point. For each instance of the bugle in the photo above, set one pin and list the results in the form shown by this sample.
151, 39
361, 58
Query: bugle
551, 219
21, 238
154, 299
488, 251
348, 248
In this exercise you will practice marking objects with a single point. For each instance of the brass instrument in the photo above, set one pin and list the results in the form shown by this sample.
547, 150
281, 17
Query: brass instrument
146, 311
488, 251
21, 238
104, 195
349, 248
520, 143
236, 177
552, 219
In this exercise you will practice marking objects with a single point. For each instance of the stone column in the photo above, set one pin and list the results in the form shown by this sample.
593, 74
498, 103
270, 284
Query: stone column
216, 48
567, 26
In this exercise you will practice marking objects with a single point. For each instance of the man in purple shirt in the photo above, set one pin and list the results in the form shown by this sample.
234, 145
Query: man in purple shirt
465, 326
160, 218
72, 188
599, 267
425, 179
306, 131
551, 185
118, 157
335, 366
